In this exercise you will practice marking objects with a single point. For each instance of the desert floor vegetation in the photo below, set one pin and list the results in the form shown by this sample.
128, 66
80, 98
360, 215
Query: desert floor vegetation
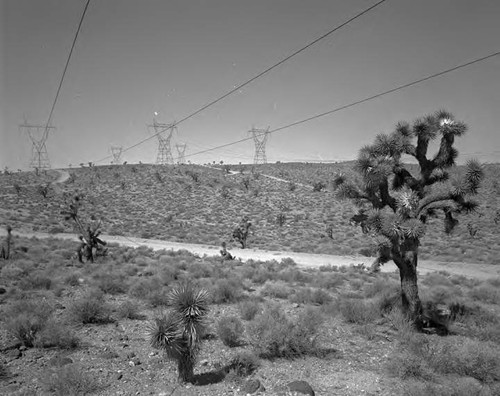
85, 328
207, 210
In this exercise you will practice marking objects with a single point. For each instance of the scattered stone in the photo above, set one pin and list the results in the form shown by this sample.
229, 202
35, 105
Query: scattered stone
3, 290
301, 387
119, 376
136, 361
130, 355
110, 355
251, 386
23, 348
204, 362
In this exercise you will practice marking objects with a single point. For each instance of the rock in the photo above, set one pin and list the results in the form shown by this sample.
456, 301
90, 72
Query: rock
301, 387
130, 355
119, 376
60, 361
3, 290
251, 386
23, 348
204, 362
13, 354
109, 355
136, 361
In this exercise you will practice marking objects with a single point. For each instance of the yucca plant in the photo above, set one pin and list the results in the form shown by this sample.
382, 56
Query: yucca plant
395, 203
178, 332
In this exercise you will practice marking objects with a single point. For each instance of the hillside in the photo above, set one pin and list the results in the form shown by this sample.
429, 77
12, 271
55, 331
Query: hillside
198, 204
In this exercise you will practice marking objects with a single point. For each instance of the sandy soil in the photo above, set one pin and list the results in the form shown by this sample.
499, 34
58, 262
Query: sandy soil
305, 260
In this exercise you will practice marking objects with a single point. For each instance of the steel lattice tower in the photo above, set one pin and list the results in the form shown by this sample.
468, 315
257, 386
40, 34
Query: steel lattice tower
164, 133
181, 150
116, 152
260, 137
38, 135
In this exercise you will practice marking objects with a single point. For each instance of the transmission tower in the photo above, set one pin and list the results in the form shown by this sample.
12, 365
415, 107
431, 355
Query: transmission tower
260, 139
38, 135
181, 150
116, 152
164, 133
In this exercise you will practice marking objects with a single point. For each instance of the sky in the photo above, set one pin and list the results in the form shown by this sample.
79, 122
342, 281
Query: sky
137, 57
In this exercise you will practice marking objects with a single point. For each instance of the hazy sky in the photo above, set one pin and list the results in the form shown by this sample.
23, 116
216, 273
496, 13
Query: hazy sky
135, 57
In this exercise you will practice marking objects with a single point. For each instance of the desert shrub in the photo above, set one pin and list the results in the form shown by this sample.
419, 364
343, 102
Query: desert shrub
276, 290
320, 297
90, 308
35, 281
357, 311
274, 335
307, 295
318, 186
295, 275
448, 387
142, 287
248, 309
405, 365
24, 319
494, 282
4, 372
158, 297
440, 294
200, 270
464, 357
226, 291
129, 310
229, 330
262, 275
112, 283
436, 279
381, 286
244, 363
485, 293
330, 280
56, 335
72, 279
388, 301
70, 380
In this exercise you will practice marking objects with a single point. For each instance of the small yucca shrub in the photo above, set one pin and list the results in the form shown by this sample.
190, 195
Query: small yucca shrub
179, 331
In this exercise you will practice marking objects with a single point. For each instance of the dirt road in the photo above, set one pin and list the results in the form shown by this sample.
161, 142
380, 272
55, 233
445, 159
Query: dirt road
304, 260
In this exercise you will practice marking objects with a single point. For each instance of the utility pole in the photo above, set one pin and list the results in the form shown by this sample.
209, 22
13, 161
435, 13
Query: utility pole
38, 135
116, 152
260, 137
181, 150
164, 133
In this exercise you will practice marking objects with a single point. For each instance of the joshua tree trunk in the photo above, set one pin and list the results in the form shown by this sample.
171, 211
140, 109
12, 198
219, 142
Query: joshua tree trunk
185, 367
406, 260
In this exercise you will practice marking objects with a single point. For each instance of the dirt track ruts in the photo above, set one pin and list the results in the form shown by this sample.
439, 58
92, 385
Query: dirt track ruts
304, 260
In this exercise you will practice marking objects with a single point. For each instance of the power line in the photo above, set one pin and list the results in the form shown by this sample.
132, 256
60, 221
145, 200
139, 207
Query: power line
260, 74
67, 64
337, 109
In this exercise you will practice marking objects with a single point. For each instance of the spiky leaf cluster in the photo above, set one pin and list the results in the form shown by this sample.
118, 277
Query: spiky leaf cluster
179, 331
403, 201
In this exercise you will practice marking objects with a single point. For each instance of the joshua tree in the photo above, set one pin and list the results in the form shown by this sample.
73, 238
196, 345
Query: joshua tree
5, 249
240, 233
179, 331
89, 234
397, 203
